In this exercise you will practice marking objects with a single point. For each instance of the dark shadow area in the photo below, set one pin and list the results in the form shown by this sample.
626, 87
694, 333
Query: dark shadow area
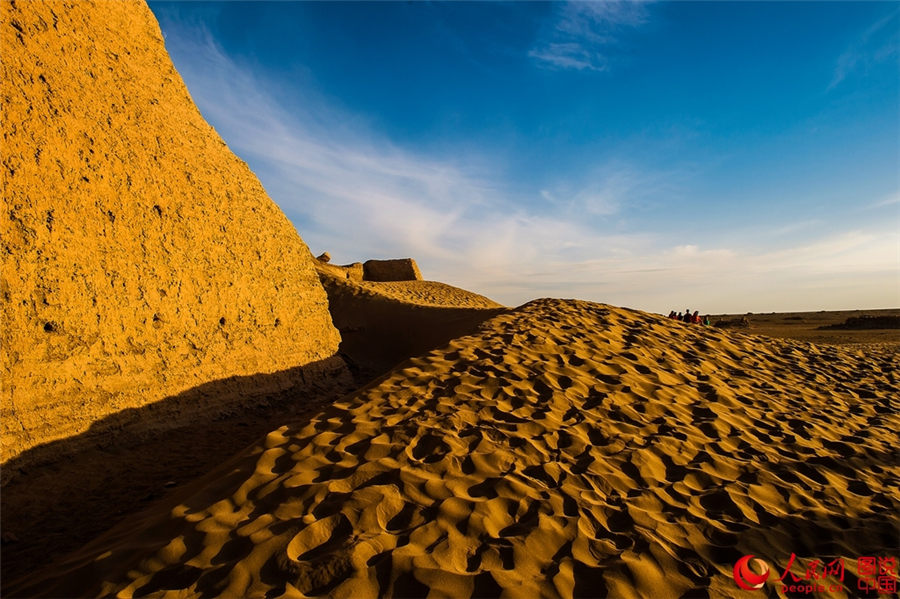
59, 495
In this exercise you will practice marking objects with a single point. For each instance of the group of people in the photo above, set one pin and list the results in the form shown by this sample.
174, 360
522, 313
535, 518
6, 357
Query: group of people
689, 318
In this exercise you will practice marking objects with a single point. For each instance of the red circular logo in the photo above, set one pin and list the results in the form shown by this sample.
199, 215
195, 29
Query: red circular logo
746, 578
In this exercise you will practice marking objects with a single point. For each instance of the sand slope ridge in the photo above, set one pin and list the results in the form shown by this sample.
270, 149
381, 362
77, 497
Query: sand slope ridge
141, 258
384, 323
565, 449
429, 293
416, 292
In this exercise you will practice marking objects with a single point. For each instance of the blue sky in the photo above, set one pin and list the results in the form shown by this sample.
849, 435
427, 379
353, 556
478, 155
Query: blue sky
725, 156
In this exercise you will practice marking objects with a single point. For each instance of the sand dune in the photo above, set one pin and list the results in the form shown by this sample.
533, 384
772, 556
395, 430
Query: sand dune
565, 448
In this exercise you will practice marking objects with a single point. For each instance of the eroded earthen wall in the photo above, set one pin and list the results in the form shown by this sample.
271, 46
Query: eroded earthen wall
141, 257
401, 269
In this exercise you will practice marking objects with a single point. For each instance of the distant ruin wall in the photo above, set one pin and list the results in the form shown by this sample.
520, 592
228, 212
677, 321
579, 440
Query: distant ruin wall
404, 269
141, 257
866, 322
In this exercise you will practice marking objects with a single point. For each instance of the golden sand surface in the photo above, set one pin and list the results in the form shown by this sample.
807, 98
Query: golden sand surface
565, 448
141, 257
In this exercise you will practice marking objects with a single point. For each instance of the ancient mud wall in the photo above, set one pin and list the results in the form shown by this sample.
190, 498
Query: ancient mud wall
141, 258
402, 269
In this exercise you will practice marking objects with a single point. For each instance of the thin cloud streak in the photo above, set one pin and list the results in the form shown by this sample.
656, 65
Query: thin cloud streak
583, 33
362, 197
872, 47
888, 201
606, 191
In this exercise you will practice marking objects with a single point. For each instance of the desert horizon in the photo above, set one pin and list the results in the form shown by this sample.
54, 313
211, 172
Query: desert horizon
204, 395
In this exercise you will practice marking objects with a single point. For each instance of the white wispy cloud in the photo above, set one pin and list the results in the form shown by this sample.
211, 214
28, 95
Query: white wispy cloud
794, 227
354, 193
879, 43
612, 188
582, 33
359, 196
890, 200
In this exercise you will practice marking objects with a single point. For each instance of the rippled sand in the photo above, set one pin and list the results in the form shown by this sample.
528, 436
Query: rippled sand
566, 448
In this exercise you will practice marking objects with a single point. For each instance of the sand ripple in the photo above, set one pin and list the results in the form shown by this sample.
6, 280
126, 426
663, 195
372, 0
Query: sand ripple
567, 449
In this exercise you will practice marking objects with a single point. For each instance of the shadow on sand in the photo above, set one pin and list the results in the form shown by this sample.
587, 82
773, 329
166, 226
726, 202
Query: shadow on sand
59, 495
